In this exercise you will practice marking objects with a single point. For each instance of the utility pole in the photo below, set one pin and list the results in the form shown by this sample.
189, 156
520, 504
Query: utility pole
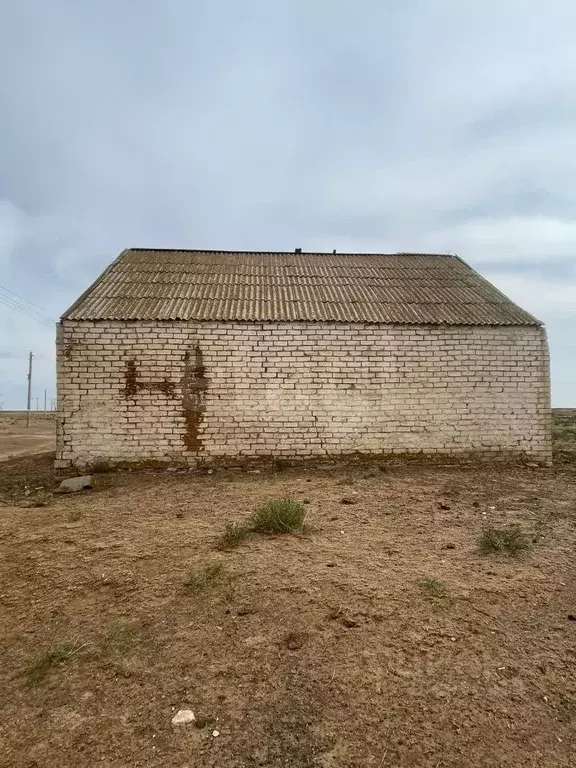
44, 401
30, 356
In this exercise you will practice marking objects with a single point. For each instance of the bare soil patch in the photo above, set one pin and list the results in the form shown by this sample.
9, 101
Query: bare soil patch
380, 636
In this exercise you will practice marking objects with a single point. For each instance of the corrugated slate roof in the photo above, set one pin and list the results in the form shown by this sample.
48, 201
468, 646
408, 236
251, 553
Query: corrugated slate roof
408, 288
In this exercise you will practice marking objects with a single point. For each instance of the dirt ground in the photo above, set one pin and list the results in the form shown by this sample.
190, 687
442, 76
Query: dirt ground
17, 439
320, 650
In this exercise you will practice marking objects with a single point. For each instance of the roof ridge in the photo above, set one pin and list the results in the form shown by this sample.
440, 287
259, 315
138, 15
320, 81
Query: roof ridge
290, 253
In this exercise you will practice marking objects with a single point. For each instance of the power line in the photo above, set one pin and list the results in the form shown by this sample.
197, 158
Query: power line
23, 308
23, 305
21, 298
19, 308
12, 300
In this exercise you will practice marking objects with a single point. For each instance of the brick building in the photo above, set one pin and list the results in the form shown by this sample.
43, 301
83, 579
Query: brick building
187, 356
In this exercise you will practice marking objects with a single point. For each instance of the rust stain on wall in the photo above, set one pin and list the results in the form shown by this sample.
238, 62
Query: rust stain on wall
131, 379
133, 384
69, 348
194, 387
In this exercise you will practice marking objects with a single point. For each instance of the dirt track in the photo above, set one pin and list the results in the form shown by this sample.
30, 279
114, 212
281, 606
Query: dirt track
18, 440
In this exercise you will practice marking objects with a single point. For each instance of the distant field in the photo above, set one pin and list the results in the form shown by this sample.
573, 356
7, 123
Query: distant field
18, 440
564, 433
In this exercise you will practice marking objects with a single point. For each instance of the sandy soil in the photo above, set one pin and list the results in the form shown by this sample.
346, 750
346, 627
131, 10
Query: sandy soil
16, 439
325, 649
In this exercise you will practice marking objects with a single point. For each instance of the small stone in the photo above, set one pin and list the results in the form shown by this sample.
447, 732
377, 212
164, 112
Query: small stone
450, 546
75, 484
179, 515
348, 500
183, 717
348, 622
572, 617
215, 733
442, 505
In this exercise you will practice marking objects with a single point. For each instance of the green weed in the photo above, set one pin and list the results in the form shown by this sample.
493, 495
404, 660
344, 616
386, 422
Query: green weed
39, 668
279, 516
198, 579
234, 534
510, 540
433, 587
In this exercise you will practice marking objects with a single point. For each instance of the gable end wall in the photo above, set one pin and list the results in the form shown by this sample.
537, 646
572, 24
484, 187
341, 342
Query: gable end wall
179, 392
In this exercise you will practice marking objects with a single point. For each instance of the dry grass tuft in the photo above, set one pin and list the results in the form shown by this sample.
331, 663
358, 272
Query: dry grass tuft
234, 534
433, 587
510, 540
198, 579
39, 668
279, 516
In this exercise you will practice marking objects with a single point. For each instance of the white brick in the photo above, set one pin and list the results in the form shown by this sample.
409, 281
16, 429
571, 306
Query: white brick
299, 389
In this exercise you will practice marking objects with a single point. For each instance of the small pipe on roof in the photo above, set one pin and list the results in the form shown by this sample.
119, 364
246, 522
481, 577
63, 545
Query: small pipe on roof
298, 250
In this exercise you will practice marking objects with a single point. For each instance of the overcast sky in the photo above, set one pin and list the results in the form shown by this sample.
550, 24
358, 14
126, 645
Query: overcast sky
365, 125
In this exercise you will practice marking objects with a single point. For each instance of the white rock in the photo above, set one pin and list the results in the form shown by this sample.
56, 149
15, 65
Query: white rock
215, 733
75, 484
183, 716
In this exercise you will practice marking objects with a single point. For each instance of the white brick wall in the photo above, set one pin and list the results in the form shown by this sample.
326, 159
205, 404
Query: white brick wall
131, 391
